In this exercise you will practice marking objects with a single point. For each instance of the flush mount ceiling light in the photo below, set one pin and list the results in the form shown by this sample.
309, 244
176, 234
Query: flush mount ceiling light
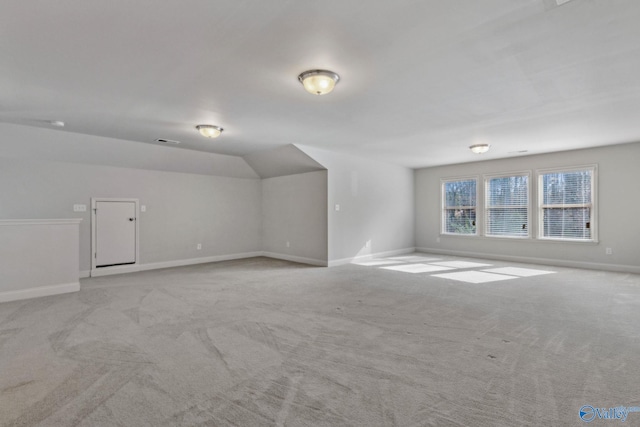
479, 148
210, 131
319, 82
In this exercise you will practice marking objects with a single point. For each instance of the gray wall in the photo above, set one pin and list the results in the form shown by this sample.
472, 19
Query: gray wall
376, 206
618, 209
222, 213
294, 210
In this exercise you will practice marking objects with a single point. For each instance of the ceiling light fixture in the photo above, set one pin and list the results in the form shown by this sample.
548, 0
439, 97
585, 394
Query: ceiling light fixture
210, 131
479, 148
319, 82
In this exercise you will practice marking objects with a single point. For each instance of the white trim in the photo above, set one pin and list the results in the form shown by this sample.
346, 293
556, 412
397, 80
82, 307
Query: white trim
84, 274
130, 267
344, 261
621, 268
65, 221
528, 240
116, 269
107, 271
192, 261
41, 291
302, 260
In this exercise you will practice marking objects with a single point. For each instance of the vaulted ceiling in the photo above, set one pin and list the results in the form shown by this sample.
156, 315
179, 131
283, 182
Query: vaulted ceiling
420, 80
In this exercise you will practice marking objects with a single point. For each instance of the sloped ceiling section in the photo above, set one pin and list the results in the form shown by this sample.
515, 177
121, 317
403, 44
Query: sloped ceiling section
420, 81
287, 160
60, 146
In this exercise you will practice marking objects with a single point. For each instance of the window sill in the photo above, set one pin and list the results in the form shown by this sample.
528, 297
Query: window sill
524, 239
572, 241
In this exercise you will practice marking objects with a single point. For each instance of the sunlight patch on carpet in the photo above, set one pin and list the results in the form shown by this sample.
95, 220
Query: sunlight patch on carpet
474, 276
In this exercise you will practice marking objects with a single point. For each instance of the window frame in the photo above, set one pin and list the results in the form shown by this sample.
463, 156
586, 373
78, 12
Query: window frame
486, 208
593, 206
443, 205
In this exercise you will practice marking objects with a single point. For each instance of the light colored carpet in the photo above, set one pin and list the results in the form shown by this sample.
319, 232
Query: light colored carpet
264, 342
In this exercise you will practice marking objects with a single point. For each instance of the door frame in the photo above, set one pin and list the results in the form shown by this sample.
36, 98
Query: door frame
103, 271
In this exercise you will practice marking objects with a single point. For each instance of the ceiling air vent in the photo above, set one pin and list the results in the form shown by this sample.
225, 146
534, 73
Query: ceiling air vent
167, 141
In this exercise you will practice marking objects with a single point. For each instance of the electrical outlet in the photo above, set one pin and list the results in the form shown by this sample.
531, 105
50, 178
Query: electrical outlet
288, 244
337, 208
608, 251
199, 246
143, 208
367, 244
79, 208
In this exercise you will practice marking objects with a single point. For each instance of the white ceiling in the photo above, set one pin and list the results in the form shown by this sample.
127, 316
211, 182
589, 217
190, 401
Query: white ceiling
420, 80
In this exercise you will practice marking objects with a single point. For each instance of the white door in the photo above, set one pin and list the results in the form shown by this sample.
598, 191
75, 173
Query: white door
115, 231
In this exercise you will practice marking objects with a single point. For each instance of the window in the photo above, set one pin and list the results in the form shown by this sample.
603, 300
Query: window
459, 206
566, 204
507, 206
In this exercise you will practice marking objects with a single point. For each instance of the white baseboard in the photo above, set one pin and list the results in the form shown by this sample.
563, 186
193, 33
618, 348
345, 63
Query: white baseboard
41, 291
107, 271
293, 258
311, 261
192, 261
343, 261
116, 269
531, 260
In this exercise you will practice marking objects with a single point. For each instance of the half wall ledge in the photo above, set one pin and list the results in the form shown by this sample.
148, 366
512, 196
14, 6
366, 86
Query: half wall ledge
38, 257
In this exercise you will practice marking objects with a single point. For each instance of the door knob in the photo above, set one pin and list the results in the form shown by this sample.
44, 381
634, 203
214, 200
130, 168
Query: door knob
131, 219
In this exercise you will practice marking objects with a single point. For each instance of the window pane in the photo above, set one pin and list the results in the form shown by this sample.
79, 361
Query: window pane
508, 191
460, 193
508, 222
567, 188
459, 214
460, 221
507, 206
567, 223
566, 204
